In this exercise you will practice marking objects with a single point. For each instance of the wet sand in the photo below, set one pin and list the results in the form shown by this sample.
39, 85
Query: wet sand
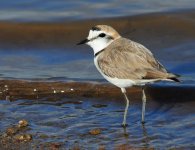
17, 89
21, 89
169, 28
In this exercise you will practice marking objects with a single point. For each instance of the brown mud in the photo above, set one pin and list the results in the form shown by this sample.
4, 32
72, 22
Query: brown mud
18, 89
21, 89
168, 28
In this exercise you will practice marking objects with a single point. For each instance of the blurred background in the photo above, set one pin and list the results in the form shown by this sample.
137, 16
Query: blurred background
38, 37
66, 10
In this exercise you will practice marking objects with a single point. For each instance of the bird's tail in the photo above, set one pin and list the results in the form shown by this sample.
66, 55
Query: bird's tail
173, 77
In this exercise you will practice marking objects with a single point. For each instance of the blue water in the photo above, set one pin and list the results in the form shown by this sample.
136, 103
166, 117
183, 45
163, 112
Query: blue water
77, 63
168, 125
58, 10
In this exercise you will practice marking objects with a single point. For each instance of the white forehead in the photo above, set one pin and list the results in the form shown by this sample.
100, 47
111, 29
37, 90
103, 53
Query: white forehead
94, 33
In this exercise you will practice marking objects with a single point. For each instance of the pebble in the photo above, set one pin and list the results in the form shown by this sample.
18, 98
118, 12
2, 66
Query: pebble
11, 131
24, 137
55, 146
95, 131
22, 123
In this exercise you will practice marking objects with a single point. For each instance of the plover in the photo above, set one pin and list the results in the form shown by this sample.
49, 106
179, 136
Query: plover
125, 63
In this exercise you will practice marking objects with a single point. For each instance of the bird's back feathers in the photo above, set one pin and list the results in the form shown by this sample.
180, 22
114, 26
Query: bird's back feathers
125, 59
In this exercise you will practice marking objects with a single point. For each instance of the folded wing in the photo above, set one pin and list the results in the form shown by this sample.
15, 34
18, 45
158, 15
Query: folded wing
126, 59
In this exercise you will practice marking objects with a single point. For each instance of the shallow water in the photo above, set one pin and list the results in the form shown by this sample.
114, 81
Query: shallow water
58, 10
77, 64
68, 121
46, 64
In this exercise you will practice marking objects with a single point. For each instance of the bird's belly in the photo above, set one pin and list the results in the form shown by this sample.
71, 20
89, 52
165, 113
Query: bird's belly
121, 83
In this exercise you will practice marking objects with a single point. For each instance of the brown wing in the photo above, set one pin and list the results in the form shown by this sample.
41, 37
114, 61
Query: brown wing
126, 59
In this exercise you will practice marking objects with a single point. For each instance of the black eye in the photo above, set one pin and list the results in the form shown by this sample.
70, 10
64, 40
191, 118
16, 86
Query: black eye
102, 35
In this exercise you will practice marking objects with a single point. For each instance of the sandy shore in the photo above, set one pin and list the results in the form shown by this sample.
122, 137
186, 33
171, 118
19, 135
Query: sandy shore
151, 28
18, 89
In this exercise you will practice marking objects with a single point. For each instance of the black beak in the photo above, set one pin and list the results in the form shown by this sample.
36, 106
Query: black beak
83, 41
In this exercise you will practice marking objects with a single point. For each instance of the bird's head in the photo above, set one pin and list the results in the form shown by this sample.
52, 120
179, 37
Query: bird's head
100, 37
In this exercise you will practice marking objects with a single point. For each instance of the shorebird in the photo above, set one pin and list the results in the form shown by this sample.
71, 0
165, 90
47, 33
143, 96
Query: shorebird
125, 63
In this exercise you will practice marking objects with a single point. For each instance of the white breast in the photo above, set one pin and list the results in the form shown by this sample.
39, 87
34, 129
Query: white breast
121, 83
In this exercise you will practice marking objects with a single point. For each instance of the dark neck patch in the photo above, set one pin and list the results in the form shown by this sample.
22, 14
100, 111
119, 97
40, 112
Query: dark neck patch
95, 29
96, 54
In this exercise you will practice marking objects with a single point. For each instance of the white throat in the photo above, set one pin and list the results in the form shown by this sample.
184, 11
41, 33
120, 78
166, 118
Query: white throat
98, 45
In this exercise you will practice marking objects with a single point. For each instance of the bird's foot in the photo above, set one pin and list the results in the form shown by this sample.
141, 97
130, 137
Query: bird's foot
124, 125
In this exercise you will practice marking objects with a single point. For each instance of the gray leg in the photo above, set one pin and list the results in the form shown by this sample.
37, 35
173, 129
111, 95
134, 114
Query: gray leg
143, 105
124, 124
